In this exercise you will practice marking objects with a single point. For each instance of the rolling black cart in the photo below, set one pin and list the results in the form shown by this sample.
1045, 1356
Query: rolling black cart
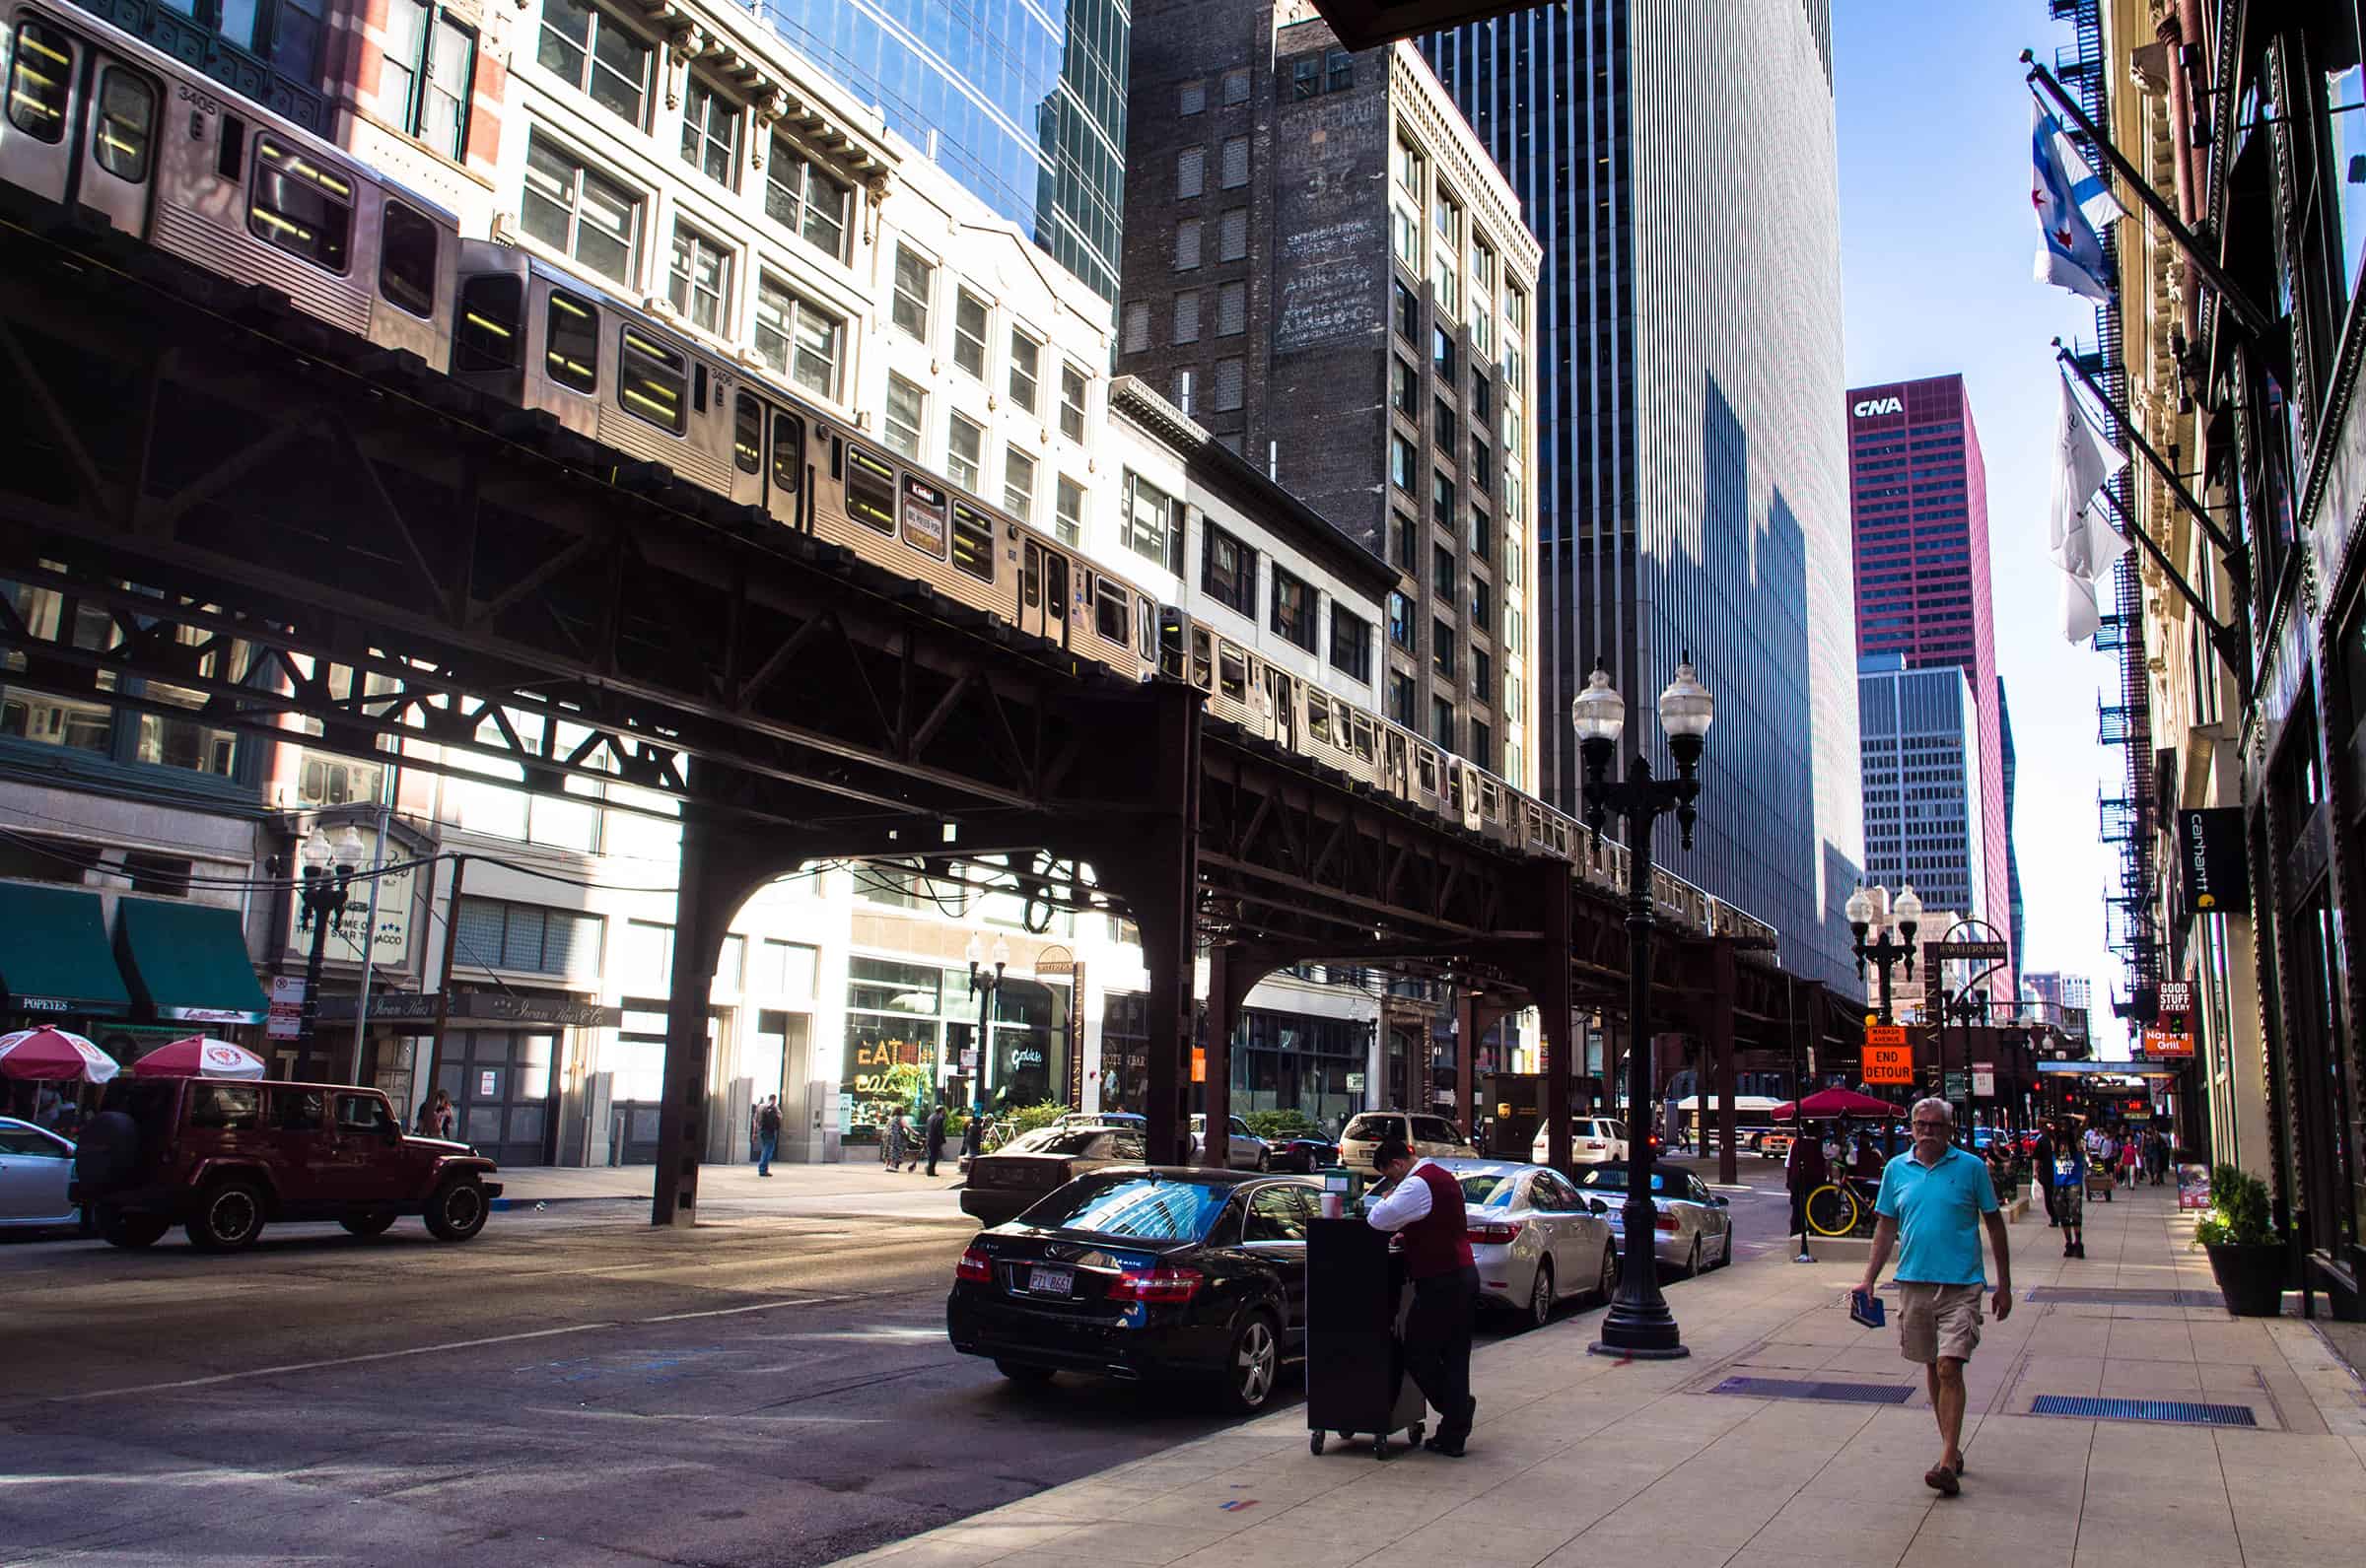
1356, 1301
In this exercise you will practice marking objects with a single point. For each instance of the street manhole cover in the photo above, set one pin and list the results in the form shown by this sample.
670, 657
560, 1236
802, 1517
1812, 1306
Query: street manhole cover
2173, 1412
1793, 1389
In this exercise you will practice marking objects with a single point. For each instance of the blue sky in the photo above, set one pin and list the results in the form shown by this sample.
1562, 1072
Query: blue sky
1936, 241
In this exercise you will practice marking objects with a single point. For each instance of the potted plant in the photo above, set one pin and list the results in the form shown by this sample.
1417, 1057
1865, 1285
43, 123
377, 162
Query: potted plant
2247, 1255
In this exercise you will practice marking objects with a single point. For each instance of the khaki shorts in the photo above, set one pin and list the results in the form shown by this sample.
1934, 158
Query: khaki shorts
1937, 1321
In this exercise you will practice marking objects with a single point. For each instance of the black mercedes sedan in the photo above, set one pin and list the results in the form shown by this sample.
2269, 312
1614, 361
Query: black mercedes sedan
1307, 1154
1145, 1273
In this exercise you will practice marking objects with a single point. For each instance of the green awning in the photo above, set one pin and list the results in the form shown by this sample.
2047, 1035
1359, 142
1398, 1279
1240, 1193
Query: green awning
189, 962
53, 954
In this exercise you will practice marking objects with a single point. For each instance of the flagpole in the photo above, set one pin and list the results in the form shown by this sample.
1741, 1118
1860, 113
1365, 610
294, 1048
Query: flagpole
2238, 562
2253, 319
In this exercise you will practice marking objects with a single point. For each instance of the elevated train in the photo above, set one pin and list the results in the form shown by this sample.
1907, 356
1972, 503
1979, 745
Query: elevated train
98, 120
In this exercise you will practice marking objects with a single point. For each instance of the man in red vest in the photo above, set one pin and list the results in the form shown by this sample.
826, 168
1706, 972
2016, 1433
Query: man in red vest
1423, 1203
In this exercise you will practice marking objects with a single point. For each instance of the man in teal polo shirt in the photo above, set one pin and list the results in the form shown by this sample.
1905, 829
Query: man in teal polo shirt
1939, 1196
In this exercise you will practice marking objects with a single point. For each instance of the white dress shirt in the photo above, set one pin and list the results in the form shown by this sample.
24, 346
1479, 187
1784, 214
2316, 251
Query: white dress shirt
1405, 1202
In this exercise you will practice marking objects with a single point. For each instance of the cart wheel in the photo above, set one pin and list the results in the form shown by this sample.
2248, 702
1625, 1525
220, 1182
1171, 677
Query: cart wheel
1314, 1443
1379, 1444
1342, 1436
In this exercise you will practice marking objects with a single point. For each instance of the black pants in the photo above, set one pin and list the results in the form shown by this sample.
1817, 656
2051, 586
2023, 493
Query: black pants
1799, 1215
1437, 1346
936, 1153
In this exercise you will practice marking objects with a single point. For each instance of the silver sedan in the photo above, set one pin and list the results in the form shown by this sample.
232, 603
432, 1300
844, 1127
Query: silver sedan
1694, 1229
1534, 1237
34, 1164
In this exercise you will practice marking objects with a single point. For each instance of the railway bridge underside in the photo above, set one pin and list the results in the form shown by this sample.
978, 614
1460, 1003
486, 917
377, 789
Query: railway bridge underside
320, 536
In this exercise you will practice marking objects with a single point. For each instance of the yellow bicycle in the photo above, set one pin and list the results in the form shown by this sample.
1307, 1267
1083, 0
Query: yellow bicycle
1840, 1208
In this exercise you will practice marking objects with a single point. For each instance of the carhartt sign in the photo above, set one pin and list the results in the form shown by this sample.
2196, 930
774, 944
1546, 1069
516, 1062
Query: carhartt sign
1878, 405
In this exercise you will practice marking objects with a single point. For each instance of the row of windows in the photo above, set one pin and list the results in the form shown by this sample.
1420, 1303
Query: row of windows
1229, 574
1232, 166
915, 312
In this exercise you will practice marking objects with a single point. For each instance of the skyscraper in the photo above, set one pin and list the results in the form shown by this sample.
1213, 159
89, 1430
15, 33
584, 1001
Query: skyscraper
1025, 104
1923, 813
1679, 167
1919, 501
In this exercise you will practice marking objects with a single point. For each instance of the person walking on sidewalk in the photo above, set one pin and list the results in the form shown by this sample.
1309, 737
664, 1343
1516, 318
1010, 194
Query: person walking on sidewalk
1803, 1172
768, 1133
933, 1138
973, 1135
2069, 1177
1939, 1196
1423, 1203
2041, 1168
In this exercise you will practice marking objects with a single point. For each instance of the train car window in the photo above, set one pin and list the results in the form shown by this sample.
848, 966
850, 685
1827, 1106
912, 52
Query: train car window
230, 158
1232, 672
973, 542
124, 131
1318, 717
787, 453
1454, 787
1491, 801
747, 435
1362, 738
651, 380
1426, 768
1202, 664
869, 490
40, 72
485, 338
924, 517
1055, 585
1112, 610
406, 262
1145, 629
300, 205
571, 342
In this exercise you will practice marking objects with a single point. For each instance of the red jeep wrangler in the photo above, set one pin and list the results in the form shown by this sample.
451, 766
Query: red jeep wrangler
224, 1157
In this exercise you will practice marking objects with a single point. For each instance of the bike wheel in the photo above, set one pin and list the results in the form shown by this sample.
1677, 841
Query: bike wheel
1831, 1211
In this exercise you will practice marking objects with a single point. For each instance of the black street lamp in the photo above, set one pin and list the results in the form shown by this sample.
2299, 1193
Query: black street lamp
984, 983
1638, 1323
328, 873
1896, 943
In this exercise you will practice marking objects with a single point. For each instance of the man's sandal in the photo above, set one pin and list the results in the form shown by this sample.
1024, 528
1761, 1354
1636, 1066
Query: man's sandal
1941, 1480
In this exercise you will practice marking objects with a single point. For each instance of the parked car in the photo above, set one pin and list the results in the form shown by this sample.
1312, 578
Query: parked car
1101, 1118
1307, 1154
1533, 1236
1592, 1140
1248, 1151
1002, 1184
224, 1159
35, 1165
1136, 1272
1431, 1136
1693, 1227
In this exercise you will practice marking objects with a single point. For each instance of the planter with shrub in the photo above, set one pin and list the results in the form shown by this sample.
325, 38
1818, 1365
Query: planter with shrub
2247, 1258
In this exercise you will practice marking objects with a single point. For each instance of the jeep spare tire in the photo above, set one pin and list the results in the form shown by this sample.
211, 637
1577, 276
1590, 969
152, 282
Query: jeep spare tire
458, 1208
108, 1154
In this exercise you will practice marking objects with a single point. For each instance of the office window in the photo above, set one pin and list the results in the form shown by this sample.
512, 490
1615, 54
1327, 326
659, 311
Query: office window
1232, 235
1068, 511
1441, 723
1404, 234
1306, 77
1399, 461
494, 933
1236, 87
1483, 675
1400, 621
710, 134
701, 281
915, 277
1351, 643
598, 55
1441, 649
964, 452
1480, 402
1441, 352
1072, 402
1407, 315
1339, 71
1483, 603
1409, 167
1026, 365
1187, 245
1187, 317
1232, 309
798, 338
1406, 541
1191, 173
1018, 484
907, 413
1441, 500
1236, 171
1293, 608
1230, 385
1442, 574
805, 201
1480, 466
1137, 336
1404, 388
1228, 571
1483, 744
1191, 97
1443, 427
426, 74
1151, 523
969, 334
1399, 698
579, 212
1482, 535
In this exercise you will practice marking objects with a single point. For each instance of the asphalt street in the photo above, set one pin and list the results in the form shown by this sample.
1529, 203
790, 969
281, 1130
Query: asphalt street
769, 1389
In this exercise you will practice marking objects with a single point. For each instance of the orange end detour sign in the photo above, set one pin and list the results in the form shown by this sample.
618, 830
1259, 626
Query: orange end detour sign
1889, 1065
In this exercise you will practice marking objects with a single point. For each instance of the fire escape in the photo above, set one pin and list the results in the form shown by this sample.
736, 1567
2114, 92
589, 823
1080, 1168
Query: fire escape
2130, 821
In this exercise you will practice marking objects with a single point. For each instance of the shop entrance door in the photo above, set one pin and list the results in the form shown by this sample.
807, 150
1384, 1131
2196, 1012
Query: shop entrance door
500, 1086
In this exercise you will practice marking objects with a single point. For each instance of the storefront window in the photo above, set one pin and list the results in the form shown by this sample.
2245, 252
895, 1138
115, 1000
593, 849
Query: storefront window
1293, 1061
1125, 1049
895, 1045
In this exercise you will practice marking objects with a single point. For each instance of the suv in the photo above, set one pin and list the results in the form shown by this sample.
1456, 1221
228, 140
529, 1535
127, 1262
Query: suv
221, 1158
1432, 1137
1593, 1140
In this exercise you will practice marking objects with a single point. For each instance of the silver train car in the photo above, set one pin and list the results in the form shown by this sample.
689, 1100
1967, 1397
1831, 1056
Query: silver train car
98, 120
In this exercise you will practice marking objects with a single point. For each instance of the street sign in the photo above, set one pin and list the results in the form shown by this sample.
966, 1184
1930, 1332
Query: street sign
1199, 1064
1983, 1084
1943, 952
286, 1019
1889, 1064
1355, 1083
2168, 1043
2176, 999
1884, 1034
1953, 1086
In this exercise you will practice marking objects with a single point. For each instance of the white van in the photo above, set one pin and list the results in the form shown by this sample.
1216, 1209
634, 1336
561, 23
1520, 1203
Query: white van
1432, 1137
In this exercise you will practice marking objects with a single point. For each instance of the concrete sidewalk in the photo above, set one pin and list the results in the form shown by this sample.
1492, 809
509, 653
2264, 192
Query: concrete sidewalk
1579, 1461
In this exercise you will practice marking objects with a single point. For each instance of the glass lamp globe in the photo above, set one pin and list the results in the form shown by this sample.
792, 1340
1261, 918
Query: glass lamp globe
351, 850
975, 952
1686, 706
1907, 911
1860, 909
1001, 952
317, 850
1598, 712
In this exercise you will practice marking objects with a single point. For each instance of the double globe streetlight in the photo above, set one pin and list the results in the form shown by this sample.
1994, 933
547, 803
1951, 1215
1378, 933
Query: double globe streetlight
1895, 945
329, 867
984, 983
1639, 1322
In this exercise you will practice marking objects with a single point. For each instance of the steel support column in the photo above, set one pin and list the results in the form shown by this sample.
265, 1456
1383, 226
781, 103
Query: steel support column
1553, 991
1160, 885
1718, 1034
1224, 1013
706, 895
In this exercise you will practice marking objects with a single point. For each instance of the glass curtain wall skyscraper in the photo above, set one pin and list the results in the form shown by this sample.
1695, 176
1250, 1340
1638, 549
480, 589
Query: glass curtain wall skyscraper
1678, 165
1025, 104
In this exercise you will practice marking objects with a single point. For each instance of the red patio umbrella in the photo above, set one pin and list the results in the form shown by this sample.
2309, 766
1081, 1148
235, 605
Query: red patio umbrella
1827, 1103
197, 1056
53, 1056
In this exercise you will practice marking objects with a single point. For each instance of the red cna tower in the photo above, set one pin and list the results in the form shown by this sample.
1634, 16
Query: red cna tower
1919, 511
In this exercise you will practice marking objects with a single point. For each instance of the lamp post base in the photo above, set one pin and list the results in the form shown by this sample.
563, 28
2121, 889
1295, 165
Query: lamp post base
1603, 1348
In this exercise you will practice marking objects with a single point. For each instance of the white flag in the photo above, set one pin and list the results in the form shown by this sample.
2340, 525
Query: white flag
2079, 536
2071, 201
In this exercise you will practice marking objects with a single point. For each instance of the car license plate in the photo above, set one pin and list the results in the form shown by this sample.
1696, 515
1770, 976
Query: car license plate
1051, 1281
